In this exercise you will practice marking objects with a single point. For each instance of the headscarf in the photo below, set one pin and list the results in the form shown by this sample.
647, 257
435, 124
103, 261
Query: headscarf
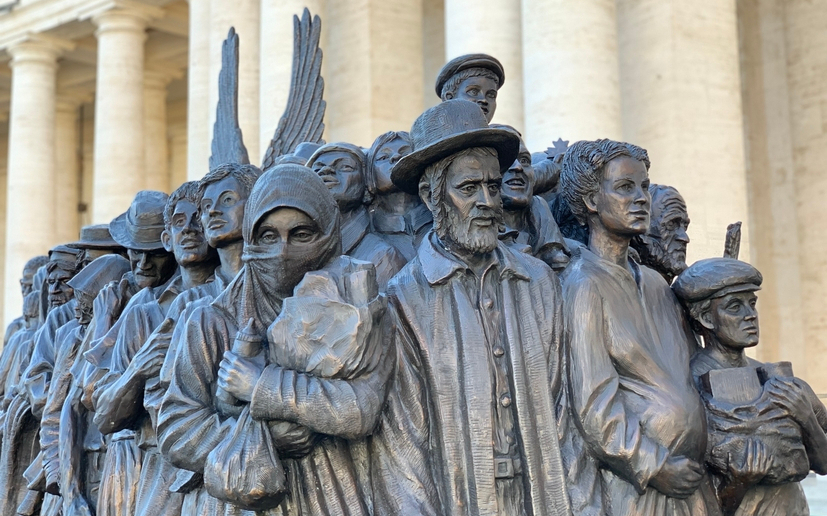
253, 293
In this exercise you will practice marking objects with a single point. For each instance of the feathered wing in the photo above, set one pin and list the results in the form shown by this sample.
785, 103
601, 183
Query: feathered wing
227, 141
303, 118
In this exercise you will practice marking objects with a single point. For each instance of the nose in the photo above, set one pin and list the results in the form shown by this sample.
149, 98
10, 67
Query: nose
54, 288
641, 196
143, 261
752, 313
325, 171
485, 199
682, 236
516, 166
193, 224
482, 101
213, 211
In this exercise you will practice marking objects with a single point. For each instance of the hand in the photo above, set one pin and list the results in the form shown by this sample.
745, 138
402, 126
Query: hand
147, 362
790, 395
291, 440
678, 478
238, 375
754, 467
113, 296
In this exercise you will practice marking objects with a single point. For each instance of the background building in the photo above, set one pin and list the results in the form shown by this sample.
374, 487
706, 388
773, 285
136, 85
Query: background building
102, 98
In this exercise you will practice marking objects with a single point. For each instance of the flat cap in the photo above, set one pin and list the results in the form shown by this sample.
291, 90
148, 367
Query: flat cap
465, 62
716, 277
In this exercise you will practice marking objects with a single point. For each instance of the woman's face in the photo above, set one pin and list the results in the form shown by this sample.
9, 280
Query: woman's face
291, 239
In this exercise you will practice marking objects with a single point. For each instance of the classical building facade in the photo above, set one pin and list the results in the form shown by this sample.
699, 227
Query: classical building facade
101, 98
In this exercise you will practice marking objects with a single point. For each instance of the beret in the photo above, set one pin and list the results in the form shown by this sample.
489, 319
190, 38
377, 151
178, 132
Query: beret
465, 62
716, 277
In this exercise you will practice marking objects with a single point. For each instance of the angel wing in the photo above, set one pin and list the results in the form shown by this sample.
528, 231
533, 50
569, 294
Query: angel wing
303, 118
227, 141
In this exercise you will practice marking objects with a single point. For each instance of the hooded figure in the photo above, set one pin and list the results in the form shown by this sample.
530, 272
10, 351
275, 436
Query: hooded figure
194, 419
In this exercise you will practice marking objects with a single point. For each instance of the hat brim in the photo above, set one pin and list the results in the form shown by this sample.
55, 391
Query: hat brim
117, 228
97, 244
407, 171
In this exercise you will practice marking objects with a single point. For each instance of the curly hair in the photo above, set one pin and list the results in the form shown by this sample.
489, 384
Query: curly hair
452, 84
378, 143
186, 192
583, 166
245, 174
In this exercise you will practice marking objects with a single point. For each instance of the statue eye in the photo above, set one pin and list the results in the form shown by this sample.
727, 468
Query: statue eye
303, 235
468, 189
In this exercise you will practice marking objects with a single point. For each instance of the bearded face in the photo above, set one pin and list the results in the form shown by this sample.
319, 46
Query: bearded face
471, 212
667, 240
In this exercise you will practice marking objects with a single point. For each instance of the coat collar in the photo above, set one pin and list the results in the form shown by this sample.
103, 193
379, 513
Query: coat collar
354, 229
439, 265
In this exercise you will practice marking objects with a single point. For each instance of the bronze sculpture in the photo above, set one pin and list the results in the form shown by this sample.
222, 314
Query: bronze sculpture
763, 438
633, 398
663, 247
399, 218
475, 325
472, 77
26, 281
342, 167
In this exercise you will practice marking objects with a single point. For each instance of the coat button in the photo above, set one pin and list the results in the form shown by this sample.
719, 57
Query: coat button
505, 400
488, 304
499, 351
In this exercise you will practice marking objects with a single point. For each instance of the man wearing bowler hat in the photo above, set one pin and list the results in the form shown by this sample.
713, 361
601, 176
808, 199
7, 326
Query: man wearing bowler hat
470, 427
472, 77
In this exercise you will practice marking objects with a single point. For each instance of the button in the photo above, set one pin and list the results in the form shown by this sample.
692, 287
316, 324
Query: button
488, 303
505, 400
510, 439
499, 351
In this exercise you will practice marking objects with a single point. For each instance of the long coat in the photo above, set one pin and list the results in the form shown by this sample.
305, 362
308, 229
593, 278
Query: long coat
433, 451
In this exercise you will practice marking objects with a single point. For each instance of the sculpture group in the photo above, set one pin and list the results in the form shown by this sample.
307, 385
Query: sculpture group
441, 324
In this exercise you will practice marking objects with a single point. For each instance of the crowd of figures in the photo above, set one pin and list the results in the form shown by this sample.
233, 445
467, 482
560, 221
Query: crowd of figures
441, 324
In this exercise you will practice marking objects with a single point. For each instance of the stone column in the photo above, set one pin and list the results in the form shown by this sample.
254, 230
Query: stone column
374, 63
198, 97
681, 93
492, 28
806, 76
156, 151
4, 155
244, 16
276, 58
30, 218
67, 180
119, 107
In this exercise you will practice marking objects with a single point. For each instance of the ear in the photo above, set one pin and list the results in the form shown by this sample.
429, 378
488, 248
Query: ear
706, 320
166, 240
425, 195
590, 200
447, 96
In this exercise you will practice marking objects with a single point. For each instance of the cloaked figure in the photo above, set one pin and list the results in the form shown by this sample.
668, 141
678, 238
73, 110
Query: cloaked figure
638, 437
766, 427
26, 281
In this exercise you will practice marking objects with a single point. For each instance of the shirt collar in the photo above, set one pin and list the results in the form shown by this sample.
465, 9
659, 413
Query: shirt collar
438, 264
171, 290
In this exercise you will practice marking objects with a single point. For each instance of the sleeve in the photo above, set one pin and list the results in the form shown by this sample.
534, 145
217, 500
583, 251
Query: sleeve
612, 431
344, 408
37, 376
189, 427
402, 479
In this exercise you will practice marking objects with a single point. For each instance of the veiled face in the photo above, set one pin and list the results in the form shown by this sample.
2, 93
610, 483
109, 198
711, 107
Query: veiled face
384, 161
734, 320
151, 268
343, 176
222, 212
622, 202
290, 239
473, 205
59, 291
185, 236
668, 233
518, 181
480, 90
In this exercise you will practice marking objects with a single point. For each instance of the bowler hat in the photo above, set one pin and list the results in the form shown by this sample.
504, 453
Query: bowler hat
716, 277
448, 128
96, 237
141, 226
458, 64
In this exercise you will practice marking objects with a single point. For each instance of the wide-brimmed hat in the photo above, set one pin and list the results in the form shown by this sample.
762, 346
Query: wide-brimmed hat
458, 64
141, 226
445, 129
95, 237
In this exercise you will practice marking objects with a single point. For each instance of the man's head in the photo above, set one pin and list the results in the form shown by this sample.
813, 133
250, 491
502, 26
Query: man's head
139, 231
64, 263
720, 296
664, 246
88, 282
519, 179
96, 241
606, 184
473, 77
28, 273
223, 194
183, 234
342, 168
386, 150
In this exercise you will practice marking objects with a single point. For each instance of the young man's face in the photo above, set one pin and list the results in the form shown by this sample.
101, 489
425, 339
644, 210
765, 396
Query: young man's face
384, 161
222, 212
343, 176
480, 90
185, 236
733, 318
623, 201
518, 181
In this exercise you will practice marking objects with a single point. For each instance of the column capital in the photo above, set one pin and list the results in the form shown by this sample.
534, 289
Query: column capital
157, 76
39, 48
120, 15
